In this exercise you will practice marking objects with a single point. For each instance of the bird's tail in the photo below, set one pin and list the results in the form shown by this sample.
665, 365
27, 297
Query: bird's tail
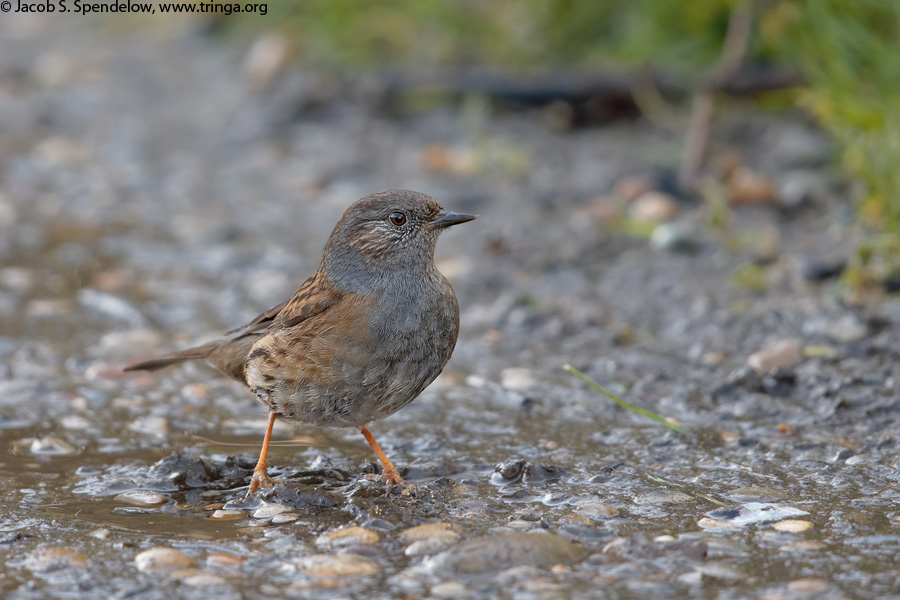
167, 360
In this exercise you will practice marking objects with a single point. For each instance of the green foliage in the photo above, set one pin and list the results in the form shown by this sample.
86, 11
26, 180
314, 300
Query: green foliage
849, 51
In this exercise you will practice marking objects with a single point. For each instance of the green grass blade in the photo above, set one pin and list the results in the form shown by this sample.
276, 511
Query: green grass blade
622, 403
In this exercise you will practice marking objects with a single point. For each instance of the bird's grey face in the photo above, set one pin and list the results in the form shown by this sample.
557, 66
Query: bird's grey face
396, 227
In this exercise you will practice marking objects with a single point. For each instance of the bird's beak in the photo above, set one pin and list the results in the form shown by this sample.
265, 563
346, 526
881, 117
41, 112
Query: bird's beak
446, 219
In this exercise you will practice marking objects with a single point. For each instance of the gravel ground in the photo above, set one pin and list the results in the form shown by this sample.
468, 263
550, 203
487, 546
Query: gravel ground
153, 193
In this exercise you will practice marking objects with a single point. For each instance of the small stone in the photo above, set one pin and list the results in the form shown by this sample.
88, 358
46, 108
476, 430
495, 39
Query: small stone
449, 589
198, 578
517, 379
226, 515
858, 459
847, 329
346, 536
338, 565
632, 187
662, 497
162, 558
707, 523
807, 586
144, 498
54, 558
270, 509
223, 559
820, 270
675, 237
596, 510
284, 518
429, 546
50, 446
785, 353
792, 525
756, 494
149, 425
429, 531
797, 188
74, 422
654, 207
803, 546
267, 57
713, 358
110, 307
747, 187
755, 512
506, 551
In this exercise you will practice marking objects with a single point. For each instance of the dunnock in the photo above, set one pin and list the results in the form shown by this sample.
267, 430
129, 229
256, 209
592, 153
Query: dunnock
361, 338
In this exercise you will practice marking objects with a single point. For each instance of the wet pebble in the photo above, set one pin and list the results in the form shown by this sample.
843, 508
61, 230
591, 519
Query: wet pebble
142, 498
150, 425
820, 270
271, 509
50, 446
517, 379
807, 586
505, 551
709, 523
74, 422
597, 510
756, 494
792, 525
746, 187
224, 559
429, 531
675, 237
54, 558
161, 557
803, 546
755, 512
108, 306
266, 58
449, 589
797, 188
858, 459
284, 518
785, 353
226, 515
346, 536
662, 497
430, 546
197, 577
653, 207
847, 329
338, 565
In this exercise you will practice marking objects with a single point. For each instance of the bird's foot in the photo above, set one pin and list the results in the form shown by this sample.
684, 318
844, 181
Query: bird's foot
392, 478
261, 479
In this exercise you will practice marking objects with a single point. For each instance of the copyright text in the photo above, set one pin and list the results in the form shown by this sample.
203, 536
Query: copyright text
132, 6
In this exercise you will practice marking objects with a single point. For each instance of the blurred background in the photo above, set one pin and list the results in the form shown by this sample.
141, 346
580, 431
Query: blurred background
696, 204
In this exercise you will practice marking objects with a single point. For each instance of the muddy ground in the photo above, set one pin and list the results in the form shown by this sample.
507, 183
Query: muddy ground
154, 194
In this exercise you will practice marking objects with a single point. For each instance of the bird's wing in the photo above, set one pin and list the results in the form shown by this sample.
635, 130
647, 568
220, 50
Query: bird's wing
314, 296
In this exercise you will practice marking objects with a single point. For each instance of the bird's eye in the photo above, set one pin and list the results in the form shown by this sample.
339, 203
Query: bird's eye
397, 218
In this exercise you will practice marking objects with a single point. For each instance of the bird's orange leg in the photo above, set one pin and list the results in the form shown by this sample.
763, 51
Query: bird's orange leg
388, 471
260, 474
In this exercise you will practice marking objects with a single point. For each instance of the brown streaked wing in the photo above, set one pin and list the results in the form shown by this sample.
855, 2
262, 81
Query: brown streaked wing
259, 323
313, 297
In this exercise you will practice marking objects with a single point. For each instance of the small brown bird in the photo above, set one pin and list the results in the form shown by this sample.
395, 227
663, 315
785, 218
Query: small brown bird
361, 338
